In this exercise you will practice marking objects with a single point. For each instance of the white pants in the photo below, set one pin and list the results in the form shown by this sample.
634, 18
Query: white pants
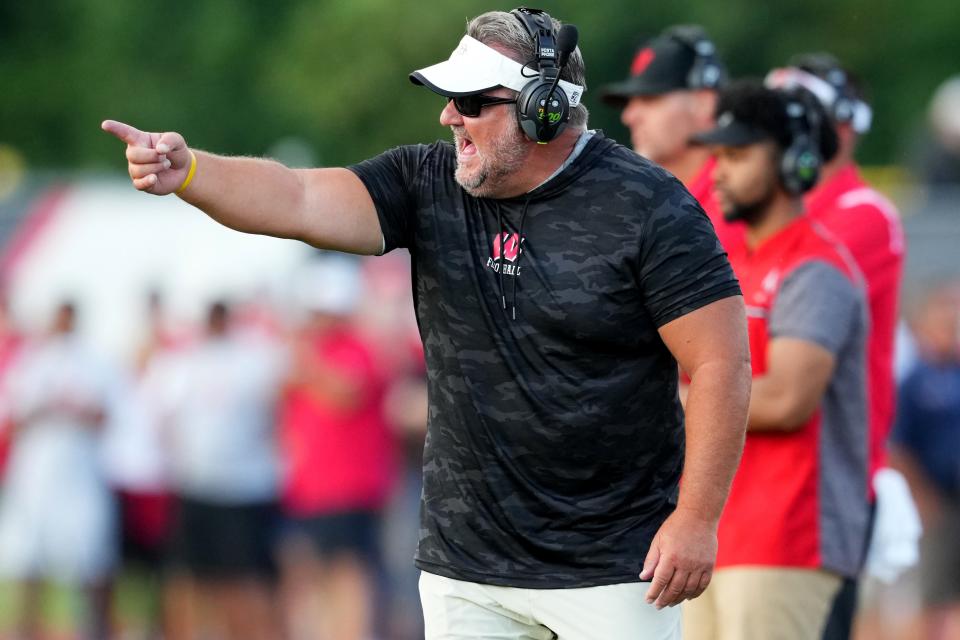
457, 610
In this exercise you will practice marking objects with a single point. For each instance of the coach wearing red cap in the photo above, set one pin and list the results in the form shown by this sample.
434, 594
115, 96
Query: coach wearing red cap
671, 96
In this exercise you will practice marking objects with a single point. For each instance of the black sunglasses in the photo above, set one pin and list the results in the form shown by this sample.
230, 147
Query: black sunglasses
470, 106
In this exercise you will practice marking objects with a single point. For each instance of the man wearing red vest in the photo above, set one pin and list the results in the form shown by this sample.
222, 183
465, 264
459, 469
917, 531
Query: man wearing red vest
796, 520
670, 96
862, 219
869, 225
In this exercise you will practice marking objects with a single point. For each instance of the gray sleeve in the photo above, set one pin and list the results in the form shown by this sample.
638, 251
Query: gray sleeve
818, 303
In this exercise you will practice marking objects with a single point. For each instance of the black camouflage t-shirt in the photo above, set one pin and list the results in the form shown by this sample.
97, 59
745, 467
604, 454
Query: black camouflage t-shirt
555, 438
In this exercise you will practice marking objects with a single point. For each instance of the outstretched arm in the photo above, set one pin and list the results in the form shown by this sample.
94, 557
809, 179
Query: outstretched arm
328, 208
710, 344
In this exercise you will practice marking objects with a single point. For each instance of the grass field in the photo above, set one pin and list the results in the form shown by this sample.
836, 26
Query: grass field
132, 607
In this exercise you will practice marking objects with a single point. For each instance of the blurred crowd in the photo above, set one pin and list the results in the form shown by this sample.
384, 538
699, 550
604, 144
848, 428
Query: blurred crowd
260, 469
244, 468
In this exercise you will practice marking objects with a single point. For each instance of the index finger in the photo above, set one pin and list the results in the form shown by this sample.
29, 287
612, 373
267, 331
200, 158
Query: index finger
125, 132
661, 578
675, 591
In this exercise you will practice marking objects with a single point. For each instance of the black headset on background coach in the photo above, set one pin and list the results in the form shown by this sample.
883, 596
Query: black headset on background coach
706, 72
849, 104
801, 162
543, 108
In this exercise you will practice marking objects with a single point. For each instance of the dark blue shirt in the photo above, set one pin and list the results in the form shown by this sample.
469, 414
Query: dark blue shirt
928, 422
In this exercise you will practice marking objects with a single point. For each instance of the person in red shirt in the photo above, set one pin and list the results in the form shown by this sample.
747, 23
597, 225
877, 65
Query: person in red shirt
669, 97
868, 224
796, 520
339, 458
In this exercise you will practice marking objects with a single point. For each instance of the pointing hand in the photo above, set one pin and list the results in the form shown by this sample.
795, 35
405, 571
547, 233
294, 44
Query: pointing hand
158, 163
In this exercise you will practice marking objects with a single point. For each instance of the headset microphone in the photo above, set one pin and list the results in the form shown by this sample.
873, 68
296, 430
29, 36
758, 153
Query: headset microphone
567, 40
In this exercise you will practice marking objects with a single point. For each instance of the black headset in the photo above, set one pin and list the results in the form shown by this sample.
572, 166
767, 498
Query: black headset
801, 161
848, 106
540, 121
707, 71
844, 107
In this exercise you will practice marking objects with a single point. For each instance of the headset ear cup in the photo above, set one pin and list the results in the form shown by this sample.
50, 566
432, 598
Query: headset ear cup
807, 169
787, 174
801, 161
529, 107
706, 73
800, 166
528, 124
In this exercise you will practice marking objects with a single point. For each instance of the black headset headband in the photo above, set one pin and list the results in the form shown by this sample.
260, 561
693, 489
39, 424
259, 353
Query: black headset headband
802, 115
693, 37
540, 27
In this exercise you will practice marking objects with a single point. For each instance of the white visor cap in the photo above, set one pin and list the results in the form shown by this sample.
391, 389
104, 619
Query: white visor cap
474, 67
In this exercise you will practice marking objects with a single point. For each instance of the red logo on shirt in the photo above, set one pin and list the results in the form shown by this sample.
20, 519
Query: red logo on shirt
511, 246
641, 61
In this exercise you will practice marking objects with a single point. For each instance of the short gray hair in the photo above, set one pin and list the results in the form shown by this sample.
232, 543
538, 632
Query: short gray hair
506, 30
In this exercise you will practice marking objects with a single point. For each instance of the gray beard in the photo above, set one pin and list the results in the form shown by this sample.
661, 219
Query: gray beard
506, 157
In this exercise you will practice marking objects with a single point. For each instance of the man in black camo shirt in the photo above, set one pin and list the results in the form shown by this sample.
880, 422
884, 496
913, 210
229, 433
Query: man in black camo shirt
557, 286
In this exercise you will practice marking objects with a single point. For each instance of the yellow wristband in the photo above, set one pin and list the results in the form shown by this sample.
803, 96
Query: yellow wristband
190, 174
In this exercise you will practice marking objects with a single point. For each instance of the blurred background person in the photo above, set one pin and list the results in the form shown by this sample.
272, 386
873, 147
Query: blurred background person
387, 321
938, 153
868, 224
11, 342
340, 460
160, 336
406, 409
925, 446
670, 96
57, 516
796, 521
218, 406
138, 465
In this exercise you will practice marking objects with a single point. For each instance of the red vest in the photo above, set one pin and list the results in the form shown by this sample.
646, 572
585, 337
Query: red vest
773, 514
